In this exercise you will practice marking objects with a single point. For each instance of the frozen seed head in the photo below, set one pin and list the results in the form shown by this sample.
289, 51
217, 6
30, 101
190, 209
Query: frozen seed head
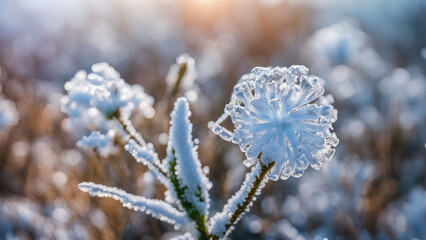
97, 96
183, 71
276, 116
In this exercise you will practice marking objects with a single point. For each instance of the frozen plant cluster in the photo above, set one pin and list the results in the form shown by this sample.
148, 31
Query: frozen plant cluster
94, 98
281, 124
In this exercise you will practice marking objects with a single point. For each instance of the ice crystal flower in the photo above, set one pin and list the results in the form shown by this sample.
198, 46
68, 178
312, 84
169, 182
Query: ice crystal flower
95, 97
276, 120
8, 114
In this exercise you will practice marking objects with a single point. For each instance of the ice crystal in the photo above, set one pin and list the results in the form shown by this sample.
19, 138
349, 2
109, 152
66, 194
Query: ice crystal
182, 153
102, 143
95, 97
8, 114
274, 114
156, 208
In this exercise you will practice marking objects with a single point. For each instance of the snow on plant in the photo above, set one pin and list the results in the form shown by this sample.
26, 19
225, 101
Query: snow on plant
95, 98
182, 73
281, 124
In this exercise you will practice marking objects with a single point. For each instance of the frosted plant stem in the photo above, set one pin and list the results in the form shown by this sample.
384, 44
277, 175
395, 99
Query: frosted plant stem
176, 88
190, 209
130, 131
249, 199
251, 187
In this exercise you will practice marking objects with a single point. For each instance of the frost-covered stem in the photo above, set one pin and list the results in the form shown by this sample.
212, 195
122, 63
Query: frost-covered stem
250, 188
175, 90
259, 179
192, 211
128, 128
156, 208
182, 71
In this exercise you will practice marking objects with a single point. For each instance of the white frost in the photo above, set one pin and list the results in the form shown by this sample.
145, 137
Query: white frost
102, 143
156, 208
93, 98
188, 76
188, 166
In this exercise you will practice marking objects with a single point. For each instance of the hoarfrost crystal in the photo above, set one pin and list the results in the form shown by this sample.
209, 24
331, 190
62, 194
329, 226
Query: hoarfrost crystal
276, 119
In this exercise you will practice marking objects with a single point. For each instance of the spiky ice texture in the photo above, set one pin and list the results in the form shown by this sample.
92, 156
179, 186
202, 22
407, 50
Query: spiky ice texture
94, 98
221, 224
188, 167
274, 114
102, 143
8, 114
156, 208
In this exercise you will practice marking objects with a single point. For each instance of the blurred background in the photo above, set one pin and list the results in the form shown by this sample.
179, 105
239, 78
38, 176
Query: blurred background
371, 55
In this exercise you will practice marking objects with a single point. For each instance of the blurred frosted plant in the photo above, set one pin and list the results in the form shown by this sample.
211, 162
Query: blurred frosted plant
96, 97
102, 143
21, 218
341, 54
8, 114
404, 95
405, 219
276, 120
183, 73
337, 44
322, 199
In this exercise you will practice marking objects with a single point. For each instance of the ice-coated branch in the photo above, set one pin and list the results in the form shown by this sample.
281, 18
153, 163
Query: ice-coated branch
156, 208
147, 156
223, 223
184, 168
136, 143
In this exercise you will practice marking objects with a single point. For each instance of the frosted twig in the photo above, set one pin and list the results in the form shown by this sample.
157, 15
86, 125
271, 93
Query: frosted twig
135, 136
223, 223
156, 208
